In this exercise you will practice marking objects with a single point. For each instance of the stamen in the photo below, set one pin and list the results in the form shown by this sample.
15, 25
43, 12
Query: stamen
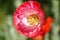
33, 19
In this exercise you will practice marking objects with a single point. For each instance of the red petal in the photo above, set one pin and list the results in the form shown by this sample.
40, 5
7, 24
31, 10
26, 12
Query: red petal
39, 37
47, 26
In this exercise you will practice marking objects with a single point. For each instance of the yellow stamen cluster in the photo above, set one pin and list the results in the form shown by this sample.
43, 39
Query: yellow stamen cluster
33, 19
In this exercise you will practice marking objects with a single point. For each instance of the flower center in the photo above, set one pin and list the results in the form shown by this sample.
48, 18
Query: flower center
33, 19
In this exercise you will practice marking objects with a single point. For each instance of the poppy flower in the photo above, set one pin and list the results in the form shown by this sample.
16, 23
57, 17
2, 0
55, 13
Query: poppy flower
29, 18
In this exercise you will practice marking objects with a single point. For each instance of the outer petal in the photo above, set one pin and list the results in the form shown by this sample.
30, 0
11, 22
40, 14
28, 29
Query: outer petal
39, 37
21, 22
47, 26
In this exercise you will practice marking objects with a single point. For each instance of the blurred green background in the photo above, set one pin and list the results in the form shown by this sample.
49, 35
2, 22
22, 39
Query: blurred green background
7, 29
